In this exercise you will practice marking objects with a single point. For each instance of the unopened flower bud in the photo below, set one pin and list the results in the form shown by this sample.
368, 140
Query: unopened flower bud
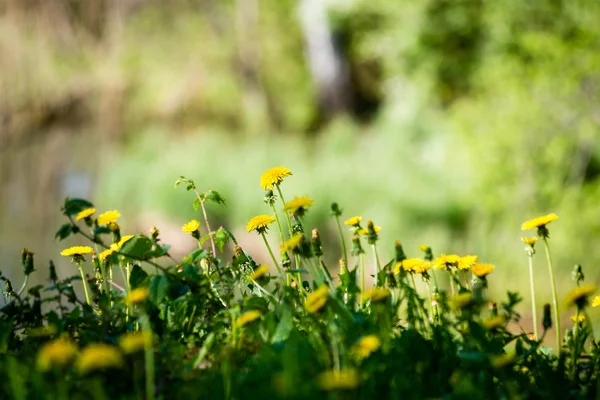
400, 256
372, 234
335, 210
53, 275
8, 285
269, 198
285, 260
317, 246
547, 320
578, 273
27, 261
154, 232
356, 246
343, 267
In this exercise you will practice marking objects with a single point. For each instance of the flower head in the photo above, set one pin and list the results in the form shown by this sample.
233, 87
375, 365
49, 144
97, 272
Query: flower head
135, 341
77, 251
317, 299
123, 240
538, 222
596, 301
247, 317
191, 226
344, 379
259, 272
446, 261
376, 294
580, 296
466, 262
56, 354
365, 346
365, 231
99, 356
292, 243
83, 214
410, 265
108, 217
424, 248
494, 322
482, 270
578, 319
137, 296
530, 241
274, 176
260, 223
298, 205
354, 221
104, 254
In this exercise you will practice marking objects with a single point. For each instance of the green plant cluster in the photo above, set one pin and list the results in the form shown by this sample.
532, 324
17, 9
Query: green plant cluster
215, 328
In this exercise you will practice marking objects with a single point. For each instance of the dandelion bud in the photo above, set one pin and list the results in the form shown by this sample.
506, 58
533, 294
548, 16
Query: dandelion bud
116, 230
493, 306
154, 232
53, 275
343, 267
335, 210
317, 246
400, 256
285, 260
578, 274
269, 198
372, 234
8, 285
356, 246
547, 320
27, 261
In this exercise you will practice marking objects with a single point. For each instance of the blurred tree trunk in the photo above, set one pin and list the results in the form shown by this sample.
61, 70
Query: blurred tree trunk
327, 67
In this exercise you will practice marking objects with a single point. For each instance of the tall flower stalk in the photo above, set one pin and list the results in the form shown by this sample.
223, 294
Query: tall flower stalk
529, 248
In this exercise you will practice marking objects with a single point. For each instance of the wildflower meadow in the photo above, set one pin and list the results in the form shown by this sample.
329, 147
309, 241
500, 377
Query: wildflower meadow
133, 322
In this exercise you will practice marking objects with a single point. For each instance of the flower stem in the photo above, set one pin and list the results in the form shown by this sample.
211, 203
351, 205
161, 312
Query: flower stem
281, 236
148, 358
342, 241
85, 287
554, 298
377, 264
271, 252
362, 278
533, 306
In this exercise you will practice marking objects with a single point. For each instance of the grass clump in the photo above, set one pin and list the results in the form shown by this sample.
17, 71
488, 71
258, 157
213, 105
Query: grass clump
154, 327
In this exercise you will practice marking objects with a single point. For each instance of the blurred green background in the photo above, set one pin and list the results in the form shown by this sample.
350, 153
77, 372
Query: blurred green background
446, 122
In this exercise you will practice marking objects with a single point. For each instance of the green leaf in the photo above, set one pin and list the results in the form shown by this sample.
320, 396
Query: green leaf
137, 277
221, 238
214, 196
284, 328
195, 256
230, 235
205, 349
64, 231
159, 286
139, 247
101, 230
74, 206
196, 203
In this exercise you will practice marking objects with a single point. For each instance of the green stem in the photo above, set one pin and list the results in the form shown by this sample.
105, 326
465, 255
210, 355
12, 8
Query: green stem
554, 298
287, 216
271, 252
342, 241
377, 264
85, 287
362, 278
533, 306
148, 358
281, 236
575, 352
24, 286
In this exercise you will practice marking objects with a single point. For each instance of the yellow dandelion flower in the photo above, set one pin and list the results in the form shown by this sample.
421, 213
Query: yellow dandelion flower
596, 301
108, 217
135, 341
123, 240
365, 231
99, 356
466, 262
102, 256
494, 322
291, 243
502, 360
366, 346
191, 226
531, 241
424, 247
259, 272
462, 300
317, 299
579, 318
482, 270
538, 222
412, 265
354, 221
260, 223
83, 214
376, 294
77, 251
138, 295
344, 379
274, 176
445, 261
580, 295
297, 203
56, 354
247, 317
